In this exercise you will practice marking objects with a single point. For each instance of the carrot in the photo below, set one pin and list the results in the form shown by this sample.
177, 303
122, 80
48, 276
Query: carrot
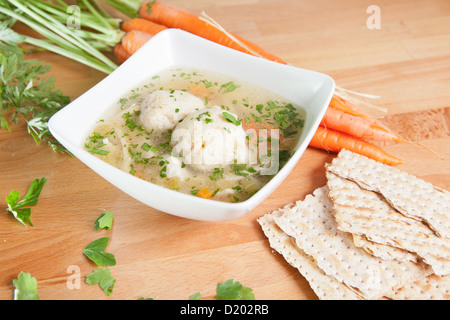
143, 25
356, 126
121, 53
199, 90
350, 108
204, 193
342, 105
135, 39
176, 18
335, 141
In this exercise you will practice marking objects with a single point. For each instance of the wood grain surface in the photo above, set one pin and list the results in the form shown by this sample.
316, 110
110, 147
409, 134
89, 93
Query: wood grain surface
406, 62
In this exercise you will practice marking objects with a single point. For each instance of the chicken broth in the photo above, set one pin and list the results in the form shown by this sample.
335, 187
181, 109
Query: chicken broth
200, 133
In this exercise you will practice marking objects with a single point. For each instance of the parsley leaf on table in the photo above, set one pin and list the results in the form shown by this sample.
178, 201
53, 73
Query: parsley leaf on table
103, 278
104, 221
26, 287
195, 296
16, 207
231, 290
96, 252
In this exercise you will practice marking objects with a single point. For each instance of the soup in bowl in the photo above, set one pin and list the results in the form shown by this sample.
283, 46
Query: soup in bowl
199, 132
193, 128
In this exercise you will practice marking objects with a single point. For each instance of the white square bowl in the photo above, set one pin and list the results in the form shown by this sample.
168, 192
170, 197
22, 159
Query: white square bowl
174, 48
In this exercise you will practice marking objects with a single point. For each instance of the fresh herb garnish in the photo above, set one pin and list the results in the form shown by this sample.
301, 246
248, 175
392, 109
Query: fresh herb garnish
287, 118
237, 188
165, 146
95, 251
230, 118
163, 172
217, 174
96, 150
129, 121
256, 118
230, 290
215, 192
104, 221
206, 113
251, 169
259, 108
229, 87
207, 83
25, 91
134, 155
17, 208
26, 287
195, 296
146, 146
94, 143
239, 170
103, 278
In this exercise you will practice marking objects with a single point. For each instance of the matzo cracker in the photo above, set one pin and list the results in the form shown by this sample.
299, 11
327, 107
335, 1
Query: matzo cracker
411, 196
311, 223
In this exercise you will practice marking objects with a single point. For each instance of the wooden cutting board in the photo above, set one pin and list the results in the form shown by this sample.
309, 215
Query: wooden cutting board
406, 62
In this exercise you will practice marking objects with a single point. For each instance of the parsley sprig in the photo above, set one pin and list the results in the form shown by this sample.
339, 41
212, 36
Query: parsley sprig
233, 290
95, 251
103, 278
20, 208
25, 287
230, 118
26, 92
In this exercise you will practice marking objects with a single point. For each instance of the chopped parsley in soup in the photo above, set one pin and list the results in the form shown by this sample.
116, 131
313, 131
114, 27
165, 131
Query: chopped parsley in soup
200, 133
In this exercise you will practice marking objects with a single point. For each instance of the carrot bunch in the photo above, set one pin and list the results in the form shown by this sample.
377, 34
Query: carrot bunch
344, 125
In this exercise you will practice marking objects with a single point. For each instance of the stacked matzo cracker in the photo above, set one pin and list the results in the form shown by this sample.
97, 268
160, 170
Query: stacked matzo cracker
372, 232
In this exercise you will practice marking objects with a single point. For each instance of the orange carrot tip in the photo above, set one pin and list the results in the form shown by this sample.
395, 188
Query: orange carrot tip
335, 141
204, 193
338, 104
394, 137
356, 126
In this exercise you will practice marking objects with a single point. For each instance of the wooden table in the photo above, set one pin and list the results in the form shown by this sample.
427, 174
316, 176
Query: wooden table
406, 62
